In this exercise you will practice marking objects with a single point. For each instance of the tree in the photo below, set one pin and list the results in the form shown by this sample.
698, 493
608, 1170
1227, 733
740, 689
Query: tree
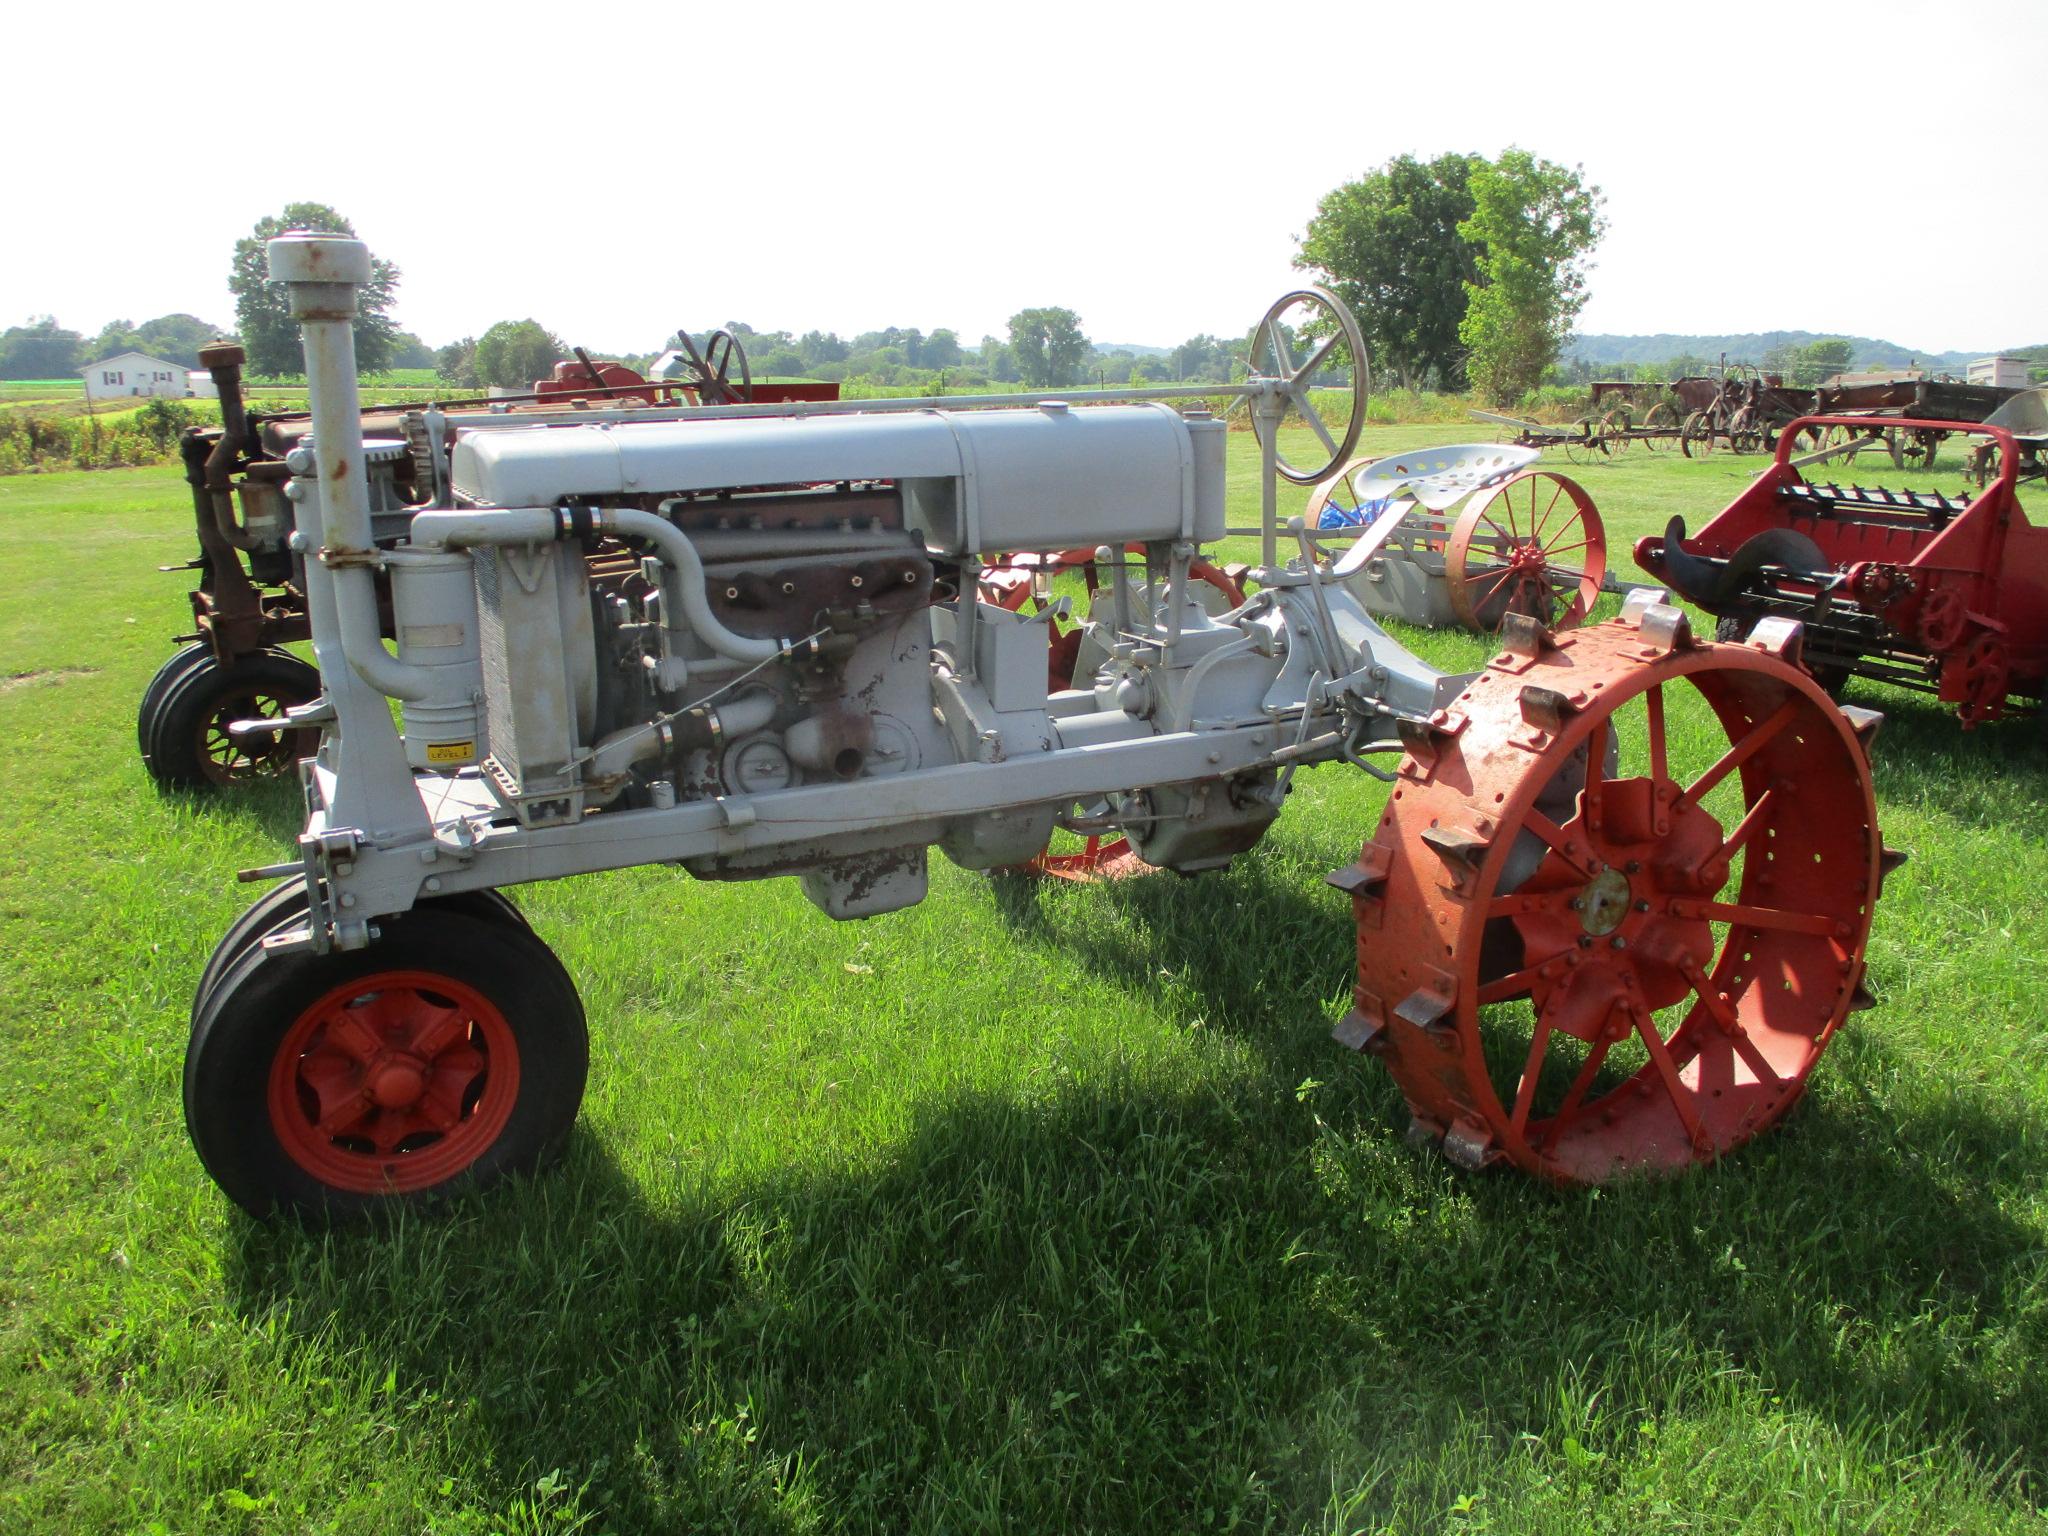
514, 353
782, 363
1389, 244
456, 363
822, 347
42, 349
263, 317
1048, 345
1820, 360
1535, 222
942, 350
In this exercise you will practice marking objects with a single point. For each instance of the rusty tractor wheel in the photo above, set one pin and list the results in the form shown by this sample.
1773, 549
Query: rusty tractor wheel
187, 745
1590, 446
447, 1055
1661, 418
1696, 440
1614, 427
1515, 550
1632, 970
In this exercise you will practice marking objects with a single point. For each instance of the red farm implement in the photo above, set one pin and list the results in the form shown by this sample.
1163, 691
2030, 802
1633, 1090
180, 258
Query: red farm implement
1946, 594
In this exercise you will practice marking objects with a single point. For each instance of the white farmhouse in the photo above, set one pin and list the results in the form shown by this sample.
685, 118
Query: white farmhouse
134, 373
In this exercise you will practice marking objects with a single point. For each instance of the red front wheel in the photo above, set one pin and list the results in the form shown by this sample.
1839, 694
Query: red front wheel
449, 1054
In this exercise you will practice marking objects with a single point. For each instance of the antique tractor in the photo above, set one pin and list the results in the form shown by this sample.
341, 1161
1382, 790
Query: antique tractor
250, 601
1613, 911
1945, 594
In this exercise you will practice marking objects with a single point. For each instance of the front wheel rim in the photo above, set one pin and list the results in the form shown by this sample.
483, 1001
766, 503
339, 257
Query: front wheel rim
393, 1083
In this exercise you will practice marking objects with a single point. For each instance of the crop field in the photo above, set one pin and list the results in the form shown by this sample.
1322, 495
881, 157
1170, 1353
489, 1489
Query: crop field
1035, 1208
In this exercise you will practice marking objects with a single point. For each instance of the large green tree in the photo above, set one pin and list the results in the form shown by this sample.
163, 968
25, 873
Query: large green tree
1388, 243
1534, 224
42, 349
514, 353
263, 317
1048, 346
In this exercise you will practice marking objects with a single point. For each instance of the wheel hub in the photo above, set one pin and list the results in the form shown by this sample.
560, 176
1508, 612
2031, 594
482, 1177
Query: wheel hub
397, 1082
1604, 902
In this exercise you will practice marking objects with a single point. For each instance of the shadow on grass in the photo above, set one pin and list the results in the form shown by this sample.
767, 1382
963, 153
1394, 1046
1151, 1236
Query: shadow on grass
1113, 1306
276, 806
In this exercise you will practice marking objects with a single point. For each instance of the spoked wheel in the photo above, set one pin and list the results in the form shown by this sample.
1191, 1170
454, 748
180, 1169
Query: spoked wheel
449, 1054
184, 726
1532, 545
1916, 449
1317, 321
1632, 970
1661, 419
1614, 427
719, 375
1696, 441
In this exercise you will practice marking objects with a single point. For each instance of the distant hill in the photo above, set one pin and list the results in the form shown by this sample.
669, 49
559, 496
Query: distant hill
1605, 351
1107, 347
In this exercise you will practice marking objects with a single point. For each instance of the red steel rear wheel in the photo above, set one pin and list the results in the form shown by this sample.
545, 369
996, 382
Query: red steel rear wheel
1634, 970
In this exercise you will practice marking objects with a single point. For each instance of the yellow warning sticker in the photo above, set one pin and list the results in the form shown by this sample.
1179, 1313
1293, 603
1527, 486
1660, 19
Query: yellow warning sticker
451, 751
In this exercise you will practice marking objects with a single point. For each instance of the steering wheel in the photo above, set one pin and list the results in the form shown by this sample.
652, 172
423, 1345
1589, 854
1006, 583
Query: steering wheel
1341, 345
711, 370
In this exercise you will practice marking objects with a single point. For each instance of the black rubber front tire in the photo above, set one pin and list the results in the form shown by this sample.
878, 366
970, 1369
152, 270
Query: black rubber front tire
179, 663
285, 904
255, 1009
191, 712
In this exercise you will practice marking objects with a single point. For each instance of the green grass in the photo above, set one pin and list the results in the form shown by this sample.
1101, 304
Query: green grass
1028, 1209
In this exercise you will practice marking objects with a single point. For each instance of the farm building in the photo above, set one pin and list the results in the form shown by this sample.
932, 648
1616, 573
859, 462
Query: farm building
134, 373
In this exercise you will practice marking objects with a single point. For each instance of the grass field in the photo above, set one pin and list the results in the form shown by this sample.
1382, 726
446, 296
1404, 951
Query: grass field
1033, 1209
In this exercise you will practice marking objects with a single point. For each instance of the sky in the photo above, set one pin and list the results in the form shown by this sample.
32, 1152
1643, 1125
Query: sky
618, 171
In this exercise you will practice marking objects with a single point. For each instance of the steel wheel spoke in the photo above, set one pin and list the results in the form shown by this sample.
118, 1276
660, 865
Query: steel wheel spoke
1574, 1095
1667, 1071
1511, 985
1773, 918
1653, 706
1308, 414
1758, 738
1596, 776
1316, 358
1745, 829
1550, 832
1532, 1069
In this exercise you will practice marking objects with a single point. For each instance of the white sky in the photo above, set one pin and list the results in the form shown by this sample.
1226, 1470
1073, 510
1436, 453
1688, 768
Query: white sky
1869, 169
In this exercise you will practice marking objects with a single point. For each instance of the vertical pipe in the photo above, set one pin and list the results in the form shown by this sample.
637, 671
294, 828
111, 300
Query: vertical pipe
1269, 408
323, 273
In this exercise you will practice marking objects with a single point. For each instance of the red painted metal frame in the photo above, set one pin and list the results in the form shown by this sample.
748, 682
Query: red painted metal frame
1971, 593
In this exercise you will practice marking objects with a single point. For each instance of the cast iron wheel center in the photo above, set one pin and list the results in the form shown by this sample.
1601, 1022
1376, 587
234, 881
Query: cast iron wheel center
398, 1083
394, 1082
1604, 902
